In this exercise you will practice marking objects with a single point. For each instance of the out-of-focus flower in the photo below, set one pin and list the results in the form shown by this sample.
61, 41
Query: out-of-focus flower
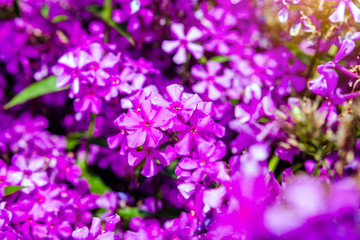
183, 43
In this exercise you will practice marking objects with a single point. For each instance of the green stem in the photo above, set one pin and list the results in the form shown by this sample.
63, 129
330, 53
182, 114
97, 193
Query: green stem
107, 12
274, 161
328, 169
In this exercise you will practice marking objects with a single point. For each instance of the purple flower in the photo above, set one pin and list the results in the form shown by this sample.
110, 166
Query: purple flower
70, 70
3, 177
27, 172
46, 200
183, 43
311, 209
347, 46
6, 231
149, 154
54, 229
95, 232
89, 99
119, 139
180, 103
338, 15
325, 85
98, 64
120, 83
286, 154
206, 154
67, 169
210, 81
143, 125
135, 12
201, 129
15, 50
222, 36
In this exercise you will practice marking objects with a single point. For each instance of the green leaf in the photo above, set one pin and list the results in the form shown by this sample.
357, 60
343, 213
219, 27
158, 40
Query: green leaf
203, 60
45, 11
220, 59
96, 183
294, 48
59, 18
263, 120
234, 102
12, 189
333, 50
131, 212
71, 143
170, 169
104, 15
37, 89
274, 161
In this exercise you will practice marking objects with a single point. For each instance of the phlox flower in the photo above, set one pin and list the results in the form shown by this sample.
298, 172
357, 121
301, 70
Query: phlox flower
339, 14
95, 232
143, 125
210, 82
150, 154
27, 172
180, 103
183, 43
202, 129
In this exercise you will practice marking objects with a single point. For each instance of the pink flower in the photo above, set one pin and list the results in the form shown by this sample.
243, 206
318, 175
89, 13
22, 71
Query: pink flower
89, 98
206, 155
27, 172
120, 138
180, 103
202, 129
339, 14
183, 43
150, 154
69, 70
120, 83
98, 64
210, 81
144, 123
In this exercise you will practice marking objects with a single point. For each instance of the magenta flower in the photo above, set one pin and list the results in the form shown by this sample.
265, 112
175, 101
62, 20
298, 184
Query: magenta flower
6, 231
98, 64
202, 129
143, 125
183, 43
325, 85
206, 154
119, 139
54, 228
3, 177
67, 169
180, 103
135, 12
286, 154
137, 71
310, 208
70, 70
95, 232
210, 82
27, 172
339, 14
347, 46
120, 84
150, 154
46, 200
220, 27
89, 98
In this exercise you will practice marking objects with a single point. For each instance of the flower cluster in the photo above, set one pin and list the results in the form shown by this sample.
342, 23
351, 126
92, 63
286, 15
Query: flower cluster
158, 119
